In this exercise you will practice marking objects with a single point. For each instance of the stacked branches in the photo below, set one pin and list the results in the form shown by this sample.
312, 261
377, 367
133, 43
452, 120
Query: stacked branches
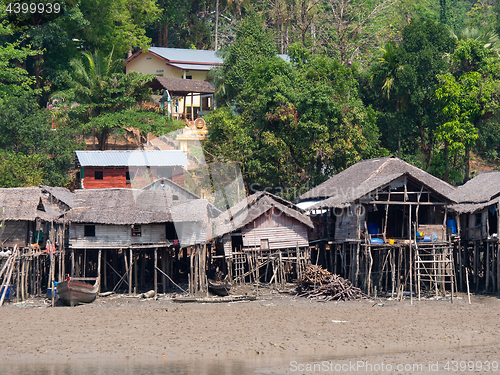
321, 285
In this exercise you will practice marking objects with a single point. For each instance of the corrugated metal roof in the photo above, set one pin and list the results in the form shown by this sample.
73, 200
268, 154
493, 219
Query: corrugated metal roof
187, 55
154, 158
192, 66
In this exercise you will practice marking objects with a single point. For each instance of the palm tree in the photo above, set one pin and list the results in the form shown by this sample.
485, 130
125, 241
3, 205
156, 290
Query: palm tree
105, 99
389, 67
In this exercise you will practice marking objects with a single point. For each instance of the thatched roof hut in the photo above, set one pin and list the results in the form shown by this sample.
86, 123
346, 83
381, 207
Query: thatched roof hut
480, 192
265, 222
253, 206
366, 176
23, 204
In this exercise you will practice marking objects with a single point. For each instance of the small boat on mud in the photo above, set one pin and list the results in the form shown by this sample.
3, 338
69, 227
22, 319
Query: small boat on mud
220, 288
75, 291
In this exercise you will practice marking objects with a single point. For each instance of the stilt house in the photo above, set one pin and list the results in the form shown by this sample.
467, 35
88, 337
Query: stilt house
382, 224
25, 217
262, 221
477, 225
379, 198
478, 205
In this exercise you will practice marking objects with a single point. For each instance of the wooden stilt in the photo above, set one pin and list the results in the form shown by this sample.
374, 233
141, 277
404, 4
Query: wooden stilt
487, 281
164, 267
130, 271
155, 271
72, 263
99, 254
135, 264
476, 278
105, 270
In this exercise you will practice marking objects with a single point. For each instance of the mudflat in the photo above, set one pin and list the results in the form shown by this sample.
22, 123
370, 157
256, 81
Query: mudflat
276, 325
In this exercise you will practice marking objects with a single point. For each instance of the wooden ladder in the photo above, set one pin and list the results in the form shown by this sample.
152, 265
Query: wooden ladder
239, 266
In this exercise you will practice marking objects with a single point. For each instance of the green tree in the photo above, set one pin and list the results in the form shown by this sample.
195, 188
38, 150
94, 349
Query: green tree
463, 103
107, 102
28, 140
252, 46
299, 123
412, 110
118, 25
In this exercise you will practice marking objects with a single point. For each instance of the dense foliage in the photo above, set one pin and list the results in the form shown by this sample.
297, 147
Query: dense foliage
419, 79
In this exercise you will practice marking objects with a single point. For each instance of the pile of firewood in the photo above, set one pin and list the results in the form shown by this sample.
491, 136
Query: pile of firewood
320, 284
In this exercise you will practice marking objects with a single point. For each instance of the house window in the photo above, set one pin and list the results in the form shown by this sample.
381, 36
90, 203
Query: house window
264, 244
189, 77
89, 230
136, 230
99, 175
129, 177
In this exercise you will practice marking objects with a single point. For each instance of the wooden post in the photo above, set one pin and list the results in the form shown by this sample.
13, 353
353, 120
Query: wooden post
156, 272
487, 281
164, 267
135, 265
23, 277
467, 280
84, 261
476, 279
104, 270
130, 252
18, 276
99, 269
72, 262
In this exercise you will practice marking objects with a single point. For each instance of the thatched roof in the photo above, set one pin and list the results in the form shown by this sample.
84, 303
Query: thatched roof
19, 204
368, 175
61, 194
482, 191
254, 206
193, 210
119, 207
133, 206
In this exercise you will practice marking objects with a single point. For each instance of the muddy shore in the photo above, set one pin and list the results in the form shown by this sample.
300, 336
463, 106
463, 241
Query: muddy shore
120, 327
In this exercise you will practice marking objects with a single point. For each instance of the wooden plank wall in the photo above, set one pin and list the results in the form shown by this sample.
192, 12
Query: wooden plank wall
345, 225
15, 233
116, 235
117, 177
280, 230
112, 178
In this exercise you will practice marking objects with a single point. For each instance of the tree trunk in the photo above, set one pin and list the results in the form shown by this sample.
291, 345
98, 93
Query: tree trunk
216, 24
447, 163
467, 164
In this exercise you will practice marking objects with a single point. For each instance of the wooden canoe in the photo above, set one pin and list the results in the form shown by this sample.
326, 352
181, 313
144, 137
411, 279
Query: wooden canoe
220, 288
74, 291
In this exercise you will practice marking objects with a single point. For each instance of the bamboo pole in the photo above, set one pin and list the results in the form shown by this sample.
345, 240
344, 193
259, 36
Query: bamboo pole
6, 283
